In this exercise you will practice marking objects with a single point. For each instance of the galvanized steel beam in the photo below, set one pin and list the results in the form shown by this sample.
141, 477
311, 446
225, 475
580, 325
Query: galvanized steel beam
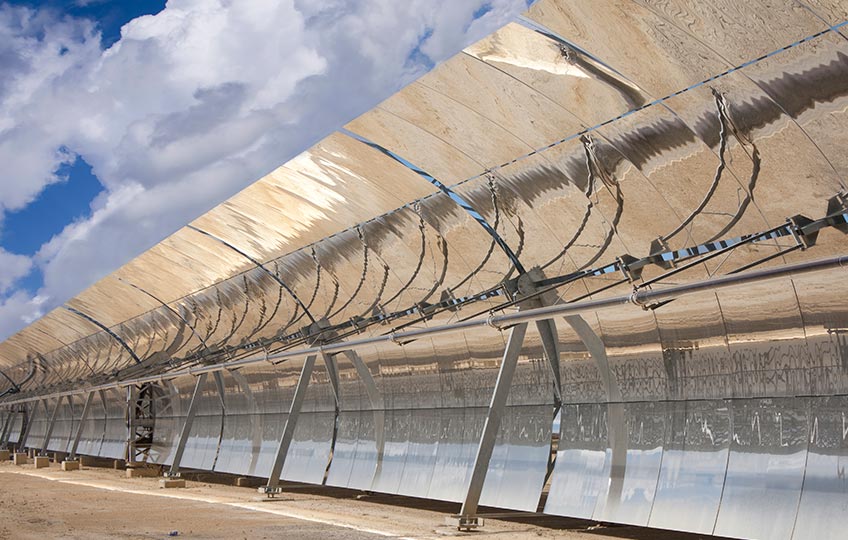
3, 442
78, 435
27, 421
49, 433
291, 424
174, 471
468, 513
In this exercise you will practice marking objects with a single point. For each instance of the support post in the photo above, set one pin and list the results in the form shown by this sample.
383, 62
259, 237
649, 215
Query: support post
291, 423
49, 433
550, 344
130, 413
27, 421
3, 442
174, 471
333, 374
468, 514
85, 409
547, 327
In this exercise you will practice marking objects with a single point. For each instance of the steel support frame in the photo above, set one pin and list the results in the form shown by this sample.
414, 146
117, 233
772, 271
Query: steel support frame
72, 456
291, 423
49, 433
139, 421
174, 471
642, 298
468, 518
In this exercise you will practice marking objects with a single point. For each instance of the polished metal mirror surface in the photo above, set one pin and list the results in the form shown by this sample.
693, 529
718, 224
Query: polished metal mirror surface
584, 151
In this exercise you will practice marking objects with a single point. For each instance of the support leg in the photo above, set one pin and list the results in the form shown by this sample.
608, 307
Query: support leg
131, 413
3, 442
333, 374
85, 409
291, 423
27, 421
550, 344
49, 433
468, 515
174, 471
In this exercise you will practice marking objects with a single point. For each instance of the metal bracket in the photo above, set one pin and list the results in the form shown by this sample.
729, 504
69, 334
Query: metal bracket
631, 271
270, 491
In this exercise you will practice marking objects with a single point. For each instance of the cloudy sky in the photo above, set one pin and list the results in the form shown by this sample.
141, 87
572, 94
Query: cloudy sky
122, 120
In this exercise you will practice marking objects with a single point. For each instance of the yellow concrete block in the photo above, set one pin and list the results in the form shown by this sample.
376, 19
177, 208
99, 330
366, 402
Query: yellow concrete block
70, 465
169, 483
42, 462
142, 472
21, 458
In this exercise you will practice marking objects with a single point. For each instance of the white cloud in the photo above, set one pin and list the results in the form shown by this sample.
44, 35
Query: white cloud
192, 105
12, 268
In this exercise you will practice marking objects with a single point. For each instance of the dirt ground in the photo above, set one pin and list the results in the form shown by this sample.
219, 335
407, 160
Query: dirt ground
100, 503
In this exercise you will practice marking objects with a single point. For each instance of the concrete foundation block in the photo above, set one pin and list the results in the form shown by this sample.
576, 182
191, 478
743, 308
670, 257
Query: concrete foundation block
142, 472
243, 481
70, 465
86, 461
21, 458
4, 455
42, 462
119, 464
169, 483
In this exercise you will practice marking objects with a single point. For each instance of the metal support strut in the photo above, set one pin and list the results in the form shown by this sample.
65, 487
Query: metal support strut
272, 488
85, 409
3, 442
468, 514
174, 471
49, 433
28, 418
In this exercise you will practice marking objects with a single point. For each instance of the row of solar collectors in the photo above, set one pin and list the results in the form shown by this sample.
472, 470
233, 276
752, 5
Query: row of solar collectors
728, 467
421, 452
739, 467
104, 432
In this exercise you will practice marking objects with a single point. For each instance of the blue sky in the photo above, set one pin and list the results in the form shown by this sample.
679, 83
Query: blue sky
117, 129
110, 15
60, 203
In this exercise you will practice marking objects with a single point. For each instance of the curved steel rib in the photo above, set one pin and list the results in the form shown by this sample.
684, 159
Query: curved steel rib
273, 275
106, 329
